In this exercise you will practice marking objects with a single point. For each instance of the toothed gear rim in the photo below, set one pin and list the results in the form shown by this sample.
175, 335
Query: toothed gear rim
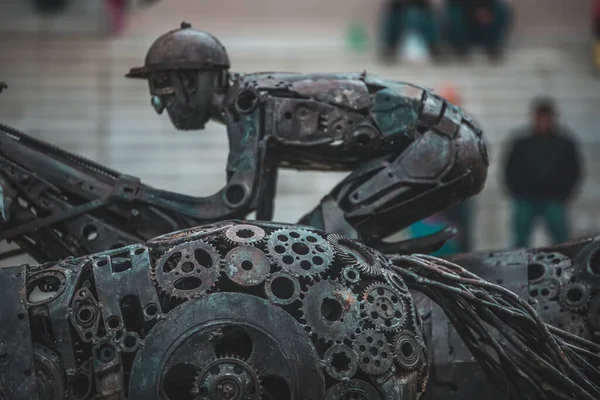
299, 252
227, 378
353, 389
575, 296
407, 351
374, 355
340, 362
245, 235
246, 266
384, 306
50, 373
331, 310
238, 325
282, 288
363, 258
188, 270
186, 235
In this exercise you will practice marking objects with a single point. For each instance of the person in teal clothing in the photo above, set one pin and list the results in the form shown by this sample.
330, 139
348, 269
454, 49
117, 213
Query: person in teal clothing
541, 173
401, 16
478, 22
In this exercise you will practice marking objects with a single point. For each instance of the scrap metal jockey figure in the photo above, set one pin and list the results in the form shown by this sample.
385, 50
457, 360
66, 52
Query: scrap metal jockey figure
411, 153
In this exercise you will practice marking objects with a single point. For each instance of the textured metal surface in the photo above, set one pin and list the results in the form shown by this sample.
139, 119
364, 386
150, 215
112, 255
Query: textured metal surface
127, 335
561, 283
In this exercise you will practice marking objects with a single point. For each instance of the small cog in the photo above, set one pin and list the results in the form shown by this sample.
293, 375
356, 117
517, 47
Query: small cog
384, 306
187, 270
246, 265
408, 351
350, 275
244, 235
282, 288
374, 355
299, 252
227, 378
575, 296
353, 389
394, 279
355, 254
331, 310
340, 362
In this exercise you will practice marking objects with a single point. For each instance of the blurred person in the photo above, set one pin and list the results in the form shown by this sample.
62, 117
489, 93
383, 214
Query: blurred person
543, 169
400, 17
458, 216
117, 11
478, 22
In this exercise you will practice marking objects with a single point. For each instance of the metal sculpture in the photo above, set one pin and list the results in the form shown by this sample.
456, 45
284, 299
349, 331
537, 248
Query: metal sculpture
248, 311
232, 311
562, 284
411, 154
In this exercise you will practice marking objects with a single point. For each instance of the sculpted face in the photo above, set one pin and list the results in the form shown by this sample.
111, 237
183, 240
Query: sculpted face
186, 95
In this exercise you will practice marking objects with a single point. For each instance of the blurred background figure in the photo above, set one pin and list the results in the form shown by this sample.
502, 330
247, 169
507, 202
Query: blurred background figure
459, 216
478, 22
408, 21
117, 15
50, 6
541, 173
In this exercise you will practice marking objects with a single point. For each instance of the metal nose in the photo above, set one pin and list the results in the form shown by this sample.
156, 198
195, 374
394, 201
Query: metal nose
157, 104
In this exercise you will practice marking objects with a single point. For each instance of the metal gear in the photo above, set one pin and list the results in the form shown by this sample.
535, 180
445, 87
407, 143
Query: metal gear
186, 235
544, 291
244, 235
353, 389
575, 296
227, 378
384, 306
408, 350
374, 354
282, 288
246, 265
395, 281
350, 275
355, 254
340, 362
299, 251
187, 270
50, 373
331, 310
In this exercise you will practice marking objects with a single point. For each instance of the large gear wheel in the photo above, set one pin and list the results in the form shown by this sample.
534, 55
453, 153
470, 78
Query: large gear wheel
246, 266
575, 296
355, 254
299, 252
331, 310
244, 235
384, 307
227, 378
353, 389
408, 351
374, 354
186, 235
187, 270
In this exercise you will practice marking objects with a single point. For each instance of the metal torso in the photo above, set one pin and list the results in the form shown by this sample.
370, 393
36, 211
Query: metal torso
330, 121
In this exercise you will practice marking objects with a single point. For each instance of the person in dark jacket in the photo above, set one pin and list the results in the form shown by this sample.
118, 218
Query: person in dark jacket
473, 22
542, 172
400, 16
